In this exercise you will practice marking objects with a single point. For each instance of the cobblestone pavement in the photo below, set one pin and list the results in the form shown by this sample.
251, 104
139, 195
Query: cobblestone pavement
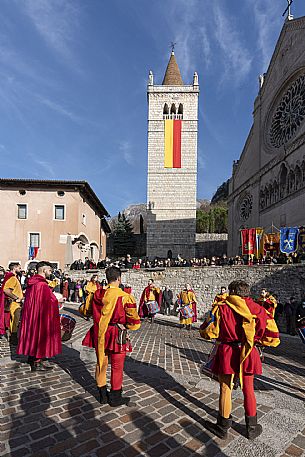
58, 414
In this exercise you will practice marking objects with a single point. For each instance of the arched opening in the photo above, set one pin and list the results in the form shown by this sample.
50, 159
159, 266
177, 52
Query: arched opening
173, 109
180, 109
283, 181
94, 251
298, 177
275, 191
262, 199
291, 182
165, 109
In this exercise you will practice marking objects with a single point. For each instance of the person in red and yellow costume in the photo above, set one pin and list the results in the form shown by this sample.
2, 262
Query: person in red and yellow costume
91, 287
221, 296
11, 298
239, 325
114, 311
150, 301
40, 335
268, 302
187, 307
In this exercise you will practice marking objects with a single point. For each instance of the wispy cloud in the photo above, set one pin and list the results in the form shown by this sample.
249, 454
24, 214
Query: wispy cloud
268, 20
236, 57
46, 167
125, 149
58, 108
56, 21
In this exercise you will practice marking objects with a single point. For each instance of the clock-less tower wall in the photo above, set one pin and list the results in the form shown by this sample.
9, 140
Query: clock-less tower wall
172, 188
267, 187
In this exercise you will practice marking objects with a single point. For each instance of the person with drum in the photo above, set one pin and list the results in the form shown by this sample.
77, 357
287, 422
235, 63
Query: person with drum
40, 333
150, 301
187, 307
114, 312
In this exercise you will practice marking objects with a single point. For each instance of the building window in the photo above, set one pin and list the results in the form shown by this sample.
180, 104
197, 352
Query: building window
84, 219
59, 212
60, 193
35, 240
22, 192
22, 211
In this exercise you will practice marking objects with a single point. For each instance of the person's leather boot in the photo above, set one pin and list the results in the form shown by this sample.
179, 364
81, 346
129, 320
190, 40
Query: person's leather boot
221, 427
14, 339
103, 399
115, 398
253, 428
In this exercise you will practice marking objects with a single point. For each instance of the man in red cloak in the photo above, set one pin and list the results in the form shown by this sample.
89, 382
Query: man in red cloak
11, 297
150, 301
39, 336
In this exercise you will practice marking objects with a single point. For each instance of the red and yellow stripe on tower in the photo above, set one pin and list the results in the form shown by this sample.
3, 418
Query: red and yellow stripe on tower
172, 143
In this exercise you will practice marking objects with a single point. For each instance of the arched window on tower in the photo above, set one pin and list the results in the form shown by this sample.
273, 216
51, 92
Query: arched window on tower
173, 109
165, 109
180, 112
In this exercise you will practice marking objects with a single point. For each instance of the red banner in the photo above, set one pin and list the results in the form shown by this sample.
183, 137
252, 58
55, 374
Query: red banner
248, 241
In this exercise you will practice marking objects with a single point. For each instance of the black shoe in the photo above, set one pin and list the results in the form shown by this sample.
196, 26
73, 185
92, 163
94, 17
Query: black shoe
116, 399
14, 339
39, 365
103, 395
253, 428
221, 427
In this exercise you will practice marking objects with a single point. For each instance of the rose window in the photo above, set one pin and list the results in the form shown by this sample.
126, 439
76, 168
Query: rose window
245, 209
289, 114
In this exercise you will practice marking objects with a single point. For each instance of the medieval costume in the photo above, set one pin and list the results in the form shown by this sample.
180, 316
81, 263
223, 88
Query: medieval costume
187, 307
90, 288
9, 308
150, 302
269, 303
39, 335
220, 298
113, 312
239, 325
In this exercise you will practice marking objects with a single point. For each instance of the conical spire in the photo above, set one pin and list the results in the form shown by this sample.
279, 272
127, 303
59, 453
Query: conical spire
172, 75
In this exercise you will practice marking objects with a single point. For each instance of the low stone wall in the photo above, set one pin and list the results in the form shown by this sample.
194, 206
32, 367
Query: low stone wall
211, 244
283, 280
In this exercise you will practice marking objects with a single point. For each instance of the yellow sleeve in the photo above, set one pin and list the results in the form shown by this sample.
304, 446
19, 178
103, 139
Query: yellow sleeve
209, 330
133, 321
11, 283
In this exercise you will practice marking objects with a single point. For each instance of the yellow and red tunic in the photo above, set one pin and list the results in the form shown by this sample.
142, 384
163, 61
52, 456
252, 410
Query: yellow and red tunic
188, 297
269, 304
111, 306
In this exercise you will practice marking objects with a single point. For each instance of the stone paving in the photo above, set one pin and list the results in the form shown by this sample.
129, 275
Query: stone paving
57, 414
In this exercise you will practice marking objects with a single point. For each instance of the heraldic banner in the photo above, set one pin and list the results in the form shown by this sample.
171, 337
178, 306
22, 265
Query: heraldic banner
301, 239
248, 241
289, 239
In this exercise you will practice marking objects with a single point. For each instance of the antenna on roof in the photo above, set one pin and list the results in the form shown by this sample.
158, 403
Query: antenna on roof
172, 45
288, 10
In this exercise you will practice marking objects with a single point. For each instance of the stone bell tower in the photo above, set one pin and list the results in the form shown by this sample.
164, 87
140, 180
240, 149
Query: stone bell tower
172, 164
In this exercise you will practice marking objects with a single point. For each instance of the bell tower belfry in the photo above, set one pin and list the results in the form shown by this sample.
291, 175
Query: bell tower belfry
172, 164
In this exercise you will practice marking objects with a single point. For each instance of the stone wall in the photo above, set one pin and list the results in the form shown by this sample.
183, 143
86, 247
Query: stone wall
211, 244
283, 280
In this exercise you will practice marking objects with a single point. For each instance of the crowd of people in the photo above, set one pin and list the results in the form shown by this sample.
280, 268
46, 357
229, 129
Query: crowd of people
138, 263
238, 324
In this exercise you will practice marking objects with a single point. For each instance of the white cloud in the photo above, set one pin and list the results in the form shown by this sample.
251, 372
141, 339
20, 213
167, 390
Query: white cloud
236, 57
46, 166
56, 21
125, 149
59, 109
268, 20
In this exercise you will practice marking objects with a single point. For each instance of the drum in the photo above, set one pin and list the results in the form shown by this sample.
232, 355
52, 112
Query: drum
206, 367
67, 325
153, 307
186, 312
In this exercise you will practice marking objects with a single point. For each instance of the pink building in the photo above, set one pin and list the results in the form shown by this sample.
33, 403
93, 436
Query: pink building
65, 220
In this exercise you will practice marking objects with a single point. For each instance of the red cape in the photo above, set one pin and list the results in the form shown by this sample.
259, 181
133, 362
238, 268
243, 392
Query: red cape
39, 334
7, 276
143, 311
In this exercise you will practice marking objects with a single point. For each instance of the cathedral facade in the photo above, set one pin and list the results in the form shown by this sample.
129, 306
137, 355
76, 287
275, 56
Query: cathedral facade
267, 187
172, 164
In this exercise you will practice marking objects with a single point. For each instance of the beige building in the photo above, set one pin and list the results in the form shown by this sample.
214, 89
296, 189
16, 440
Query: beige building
268, 183
62, 220
171, 192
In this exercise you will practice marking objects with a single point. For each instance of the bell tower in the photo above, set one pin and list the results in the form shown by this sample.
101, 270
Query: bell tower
172, 164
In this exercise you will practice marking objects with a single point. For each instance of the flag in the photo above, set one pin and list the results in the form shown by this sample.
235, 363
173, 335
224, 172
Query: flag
172, 143
35, 252
259, 244
301, 239
31, 252
248, 241
289, 239
271, 242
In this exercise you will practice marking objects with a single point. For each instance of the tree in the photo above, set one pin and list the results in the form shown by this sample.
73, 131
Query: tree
122, 235
212, 219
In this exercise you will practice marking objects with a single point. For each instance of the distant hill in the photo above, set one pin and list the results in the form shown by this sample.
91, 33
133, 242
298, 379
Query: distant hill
221, 194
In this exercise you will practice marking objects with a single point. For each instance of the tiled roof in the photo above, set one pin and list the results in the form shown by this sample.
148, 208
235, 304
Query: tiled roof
172, 75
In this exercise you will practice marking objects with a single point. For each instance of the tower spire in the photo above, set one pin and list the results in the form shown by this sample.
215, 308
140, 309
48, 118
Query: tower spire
172, 75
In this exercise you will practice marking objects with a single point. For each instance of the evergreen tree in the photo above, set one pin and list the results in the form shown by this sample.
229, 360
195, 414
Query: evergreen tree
122, 235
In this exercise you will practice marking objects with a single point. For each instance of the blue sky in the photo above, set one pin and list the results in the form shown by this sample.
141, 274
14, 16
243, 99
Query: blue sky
73, 79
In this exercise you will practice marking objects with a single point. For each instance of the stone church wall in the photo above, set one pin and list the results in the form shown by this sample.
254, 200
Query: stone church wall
283, 280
